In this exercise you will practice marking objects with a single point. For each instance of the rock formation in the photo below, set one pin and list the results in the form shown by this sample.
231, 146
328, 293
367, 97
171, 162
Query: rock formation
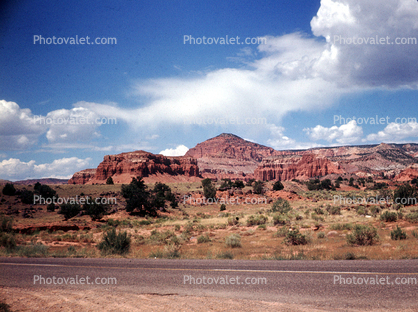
296, 167
123, 167
229, 156
82, 177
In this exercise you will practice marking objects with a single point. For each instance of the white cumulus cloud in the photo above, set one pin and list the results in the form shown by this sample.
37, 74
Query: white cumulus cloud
15, 169
348, 133
180, 150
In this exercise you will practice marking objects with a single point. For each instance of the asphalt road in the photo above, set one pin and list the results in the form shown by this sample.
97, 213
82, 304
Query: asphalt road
327, 285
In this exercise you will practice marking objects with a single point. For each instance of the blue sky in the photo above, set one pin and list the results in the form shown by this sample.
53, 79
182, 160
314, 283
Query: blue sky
294, 90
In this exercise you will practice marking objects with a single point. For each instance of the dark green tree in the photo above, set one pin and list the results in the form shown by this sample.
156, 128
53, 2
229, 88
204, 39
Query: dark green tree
278, 186
9, 189
109, 181
138, 198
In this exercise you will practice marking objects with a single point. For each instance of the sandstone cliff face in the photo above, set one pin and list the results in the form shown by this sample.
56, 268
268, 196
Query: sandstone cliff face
82, 177
123, 167
229, 156
296, 167
408, 174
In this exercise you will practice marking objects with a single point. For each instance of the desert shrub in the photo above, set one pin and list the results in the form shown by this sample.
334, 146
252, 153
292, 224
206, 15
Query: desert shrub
262, 227
203, 239
7, 240
258, 187
169, 252
160, 237
177, 227
415, 234
406, 195
298, 217
4, 307
375, 210
6, 224
9, 189
320, 235
333, 210
388, 216
397, 234
278, 186
350, 256
109, 181
281, 205
50, 207
33, 250
115, 243
69, 210
294, 237
238, 184
412, 217
256, 220
280, 219
233, 241
361, 210
233, 220
46, 191
400, 215
282, 232
26, 197
363, 235
95, 209
225, 255
315, 217
223, 207
319, 211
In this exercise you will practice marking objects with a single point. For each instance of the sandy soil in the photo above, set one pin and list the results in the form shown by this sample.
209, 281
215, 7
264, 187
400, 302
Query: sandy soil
53, 300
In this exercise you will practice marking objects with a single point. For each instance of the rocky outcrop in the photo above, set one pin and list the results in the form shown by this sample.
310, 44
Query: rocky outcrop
408, 174
296, 167
229, 156
82, 177
123, 167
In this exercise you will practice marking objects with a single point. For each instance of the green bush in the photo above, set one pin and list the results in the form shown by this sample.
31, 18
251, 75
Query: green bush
256, 220
341, 227
109, 181
406, 195
7, 240
280, 219
203, 239
233, 241
333, 210
412, 217
9, 189
4, 307
209, 190
258, 187
320, 235
397, 234
282, 232
281, 205
26, 197
223, 207
45, 191
388, 216
6, 224
69, 210
95, 209
363, 235
294, 237
278, 186
262, 227
34, 250
225, 255
415, 234
115, 243
233, 220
